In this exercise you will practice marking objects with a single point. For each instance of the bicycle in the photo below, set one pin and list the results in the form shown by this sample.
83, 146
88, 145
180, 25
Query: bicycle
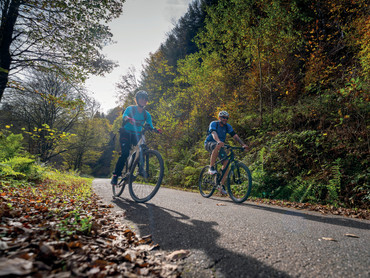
143, 172
239, 179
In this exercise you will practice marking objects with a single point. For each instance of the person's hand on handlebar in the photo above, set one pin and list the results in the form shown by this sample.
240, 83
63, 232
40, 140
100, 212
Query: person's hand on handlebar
158, 130
131, 120
245, 147
221, 144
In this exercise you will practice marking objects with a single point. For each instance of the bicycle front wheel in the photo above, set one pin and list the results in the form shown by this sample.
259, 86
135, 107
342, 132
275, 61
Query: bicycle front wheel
206, 183
239, 182
146, 179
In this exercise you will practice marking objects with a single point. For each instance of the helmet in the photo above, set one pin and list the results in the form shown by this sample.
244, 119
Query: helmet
223, 114
141, 94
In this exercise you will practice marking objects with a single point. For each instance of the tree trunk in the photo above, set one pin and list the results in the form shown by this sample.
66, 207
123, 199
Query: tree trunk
260, 89
8, 20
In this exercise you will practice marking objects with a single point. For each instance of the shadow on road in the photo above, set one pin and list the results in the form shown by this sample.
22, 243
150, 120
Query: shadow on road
340, 221
173, 231
328, 219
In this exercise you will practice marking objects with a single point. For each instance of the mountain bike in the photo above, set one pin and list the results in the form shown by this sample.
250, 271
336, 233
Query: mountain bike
239, 179
143, 172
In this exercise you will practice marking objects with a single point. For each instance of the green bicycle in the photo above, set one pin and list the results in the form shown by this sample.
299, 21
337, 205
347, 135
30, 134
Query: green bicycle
239, 179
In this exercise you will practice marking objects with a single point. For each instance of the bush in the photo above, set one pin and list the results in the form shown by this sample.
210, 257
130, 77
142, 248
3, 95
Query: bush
10, 145
15, 163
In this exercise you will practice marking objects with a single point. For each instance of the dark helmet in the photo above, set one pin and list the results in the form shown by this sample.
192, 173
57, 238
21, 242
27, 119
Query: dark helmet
141, 94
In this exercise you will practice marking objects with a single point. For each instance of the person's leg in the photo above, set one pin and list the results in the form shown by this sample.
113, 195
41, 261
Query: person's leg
226, 173
125, 143
214, 149
214, 155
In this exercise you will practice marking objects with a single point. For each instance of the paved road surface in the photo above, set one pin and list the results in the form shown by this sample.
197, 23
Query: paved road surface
249, 239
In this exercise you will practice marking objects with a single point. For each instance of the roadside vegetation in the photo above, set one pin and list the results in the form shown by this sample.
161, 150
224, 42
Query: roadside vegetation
53, 225
294, 76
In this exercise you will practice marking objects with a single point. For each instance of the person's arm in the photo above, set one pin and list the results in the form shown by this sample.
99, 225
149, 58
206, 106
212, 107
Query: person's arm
149, 119
240, 141
127, 116
215, 136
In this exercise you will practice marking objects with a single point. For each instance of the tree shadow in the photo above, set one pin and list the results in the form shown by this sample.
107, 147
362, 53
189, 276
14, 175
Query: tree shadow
328, 219
173, 231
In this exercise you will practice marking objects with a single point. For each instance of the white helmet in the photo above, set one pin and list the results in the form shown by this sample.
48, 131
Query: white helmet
223, 114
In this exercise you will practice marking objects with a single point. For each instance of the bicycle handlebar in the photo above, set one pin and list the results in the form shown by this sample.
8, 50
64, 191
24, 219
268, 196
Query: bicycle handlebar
147, 127
233, 148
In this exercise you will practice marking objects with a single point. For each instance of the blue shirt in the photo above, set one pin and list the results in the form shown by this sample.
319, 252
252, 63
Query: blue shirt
221, 131
133, 112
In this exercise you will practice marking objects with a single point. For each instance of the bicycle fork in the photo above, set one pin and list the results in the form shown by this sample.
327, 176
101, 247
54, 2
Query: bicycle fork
143, 161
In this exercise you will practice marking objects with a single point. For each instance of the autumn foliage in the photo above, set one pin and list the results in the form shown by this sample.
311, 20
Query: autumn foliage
294, 77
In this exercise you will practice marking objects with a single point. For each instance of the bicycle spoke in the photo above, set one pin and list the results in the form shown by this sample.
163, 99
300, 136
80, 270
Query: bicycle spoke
206, 183
118, 188
146, 176
239, 183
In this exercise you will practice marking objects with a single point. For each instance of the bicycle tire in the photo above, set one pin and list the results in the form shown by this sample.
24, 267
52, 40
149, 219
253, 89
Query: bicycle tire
239, 182
118, 188
142, 189
206, 183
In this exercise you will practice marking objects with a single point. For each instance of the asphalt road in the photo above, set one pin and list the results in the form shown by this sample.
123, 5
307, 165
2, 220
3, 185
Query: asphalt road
247, 240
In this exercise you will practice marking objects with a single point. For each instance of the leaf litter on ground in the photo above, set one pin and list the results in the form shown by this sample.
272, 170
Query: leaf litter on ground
56, 229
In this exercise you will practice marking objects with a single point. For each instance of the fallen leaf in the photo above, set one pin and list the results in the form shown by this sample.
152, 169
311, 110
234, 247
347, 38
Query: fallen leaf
177, 255
3, 245
329, 238
15, 266
220, 204
351, 235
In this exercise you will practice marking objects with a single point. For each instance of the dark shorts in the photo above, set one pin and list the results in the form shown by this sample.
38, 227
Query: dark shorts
210, 146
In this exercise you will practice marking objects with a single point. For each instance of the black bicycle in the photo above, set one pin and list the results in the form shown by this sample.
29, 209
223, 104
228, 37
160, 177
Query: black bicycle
143, 172
239, 179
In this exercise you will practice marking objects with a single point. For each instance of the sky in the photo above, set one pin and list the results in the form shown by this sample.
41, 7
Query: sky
140, 30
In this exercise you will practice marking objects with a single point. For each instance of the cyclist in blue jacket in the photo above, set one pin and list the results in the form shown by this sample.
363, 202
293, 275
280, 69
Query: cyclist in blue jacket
215, 140
134, 118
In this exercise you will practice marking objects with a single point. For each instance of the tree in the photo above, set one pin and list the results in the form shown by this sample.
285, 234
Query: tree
86, 147
61, 36
46, 107
126, 87
180, 41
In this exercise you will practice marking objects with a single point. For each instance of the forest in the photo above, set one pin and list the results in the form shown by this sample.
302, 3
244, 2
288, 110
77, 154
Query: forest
293, 75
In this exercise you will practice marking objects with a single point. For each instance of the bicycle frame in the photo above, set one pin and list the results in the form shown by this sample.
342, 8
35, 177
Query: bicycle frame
230, 158
138, 149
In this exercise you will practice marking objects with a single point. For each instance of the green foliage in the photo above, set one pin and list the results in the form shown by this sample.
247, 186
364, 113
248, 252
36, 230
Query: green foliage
86, 146
15, 163
10, 144
75, 224
293, 76
17, 167
67, 41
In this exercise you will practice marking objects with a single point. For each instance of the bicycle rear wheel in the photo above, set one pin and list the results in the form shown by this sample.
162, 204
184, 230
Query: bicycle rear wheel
146, 179
239, 182
206, 183
118, 188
